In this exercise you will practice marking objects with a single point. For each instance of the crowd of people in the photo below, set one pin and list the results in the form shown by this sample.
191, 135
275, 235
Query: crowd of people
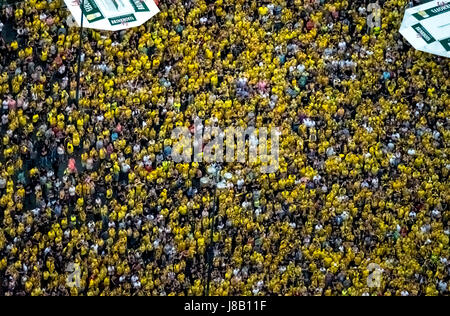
89, 190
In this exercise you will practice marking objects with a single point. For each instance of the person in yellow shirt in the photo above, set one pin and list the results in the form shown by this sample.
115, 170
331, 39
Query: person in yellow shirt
44, 55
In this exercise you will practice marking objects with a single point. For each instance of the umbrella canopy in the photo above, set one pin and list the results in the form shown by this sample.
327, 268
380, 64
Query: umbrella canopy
112, 15
427, 27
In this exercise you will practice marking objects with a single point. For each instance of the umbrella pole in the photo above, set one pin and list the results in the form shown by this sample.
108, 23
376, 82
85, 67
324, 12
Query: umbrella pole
210, 251
77, 98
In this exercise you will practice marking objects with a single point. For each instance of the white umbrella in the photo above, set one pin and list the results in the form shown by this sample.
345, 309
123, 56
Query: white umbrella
112, 15
427, 27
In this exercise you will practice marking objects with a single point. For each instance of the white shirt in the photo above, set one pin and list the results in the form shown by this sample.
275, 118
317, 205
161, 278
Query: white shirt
125, 168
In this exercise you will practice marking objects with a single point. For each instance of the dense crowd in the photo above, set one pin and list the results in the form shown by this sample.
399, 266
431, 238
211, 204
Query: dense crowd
358, 206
